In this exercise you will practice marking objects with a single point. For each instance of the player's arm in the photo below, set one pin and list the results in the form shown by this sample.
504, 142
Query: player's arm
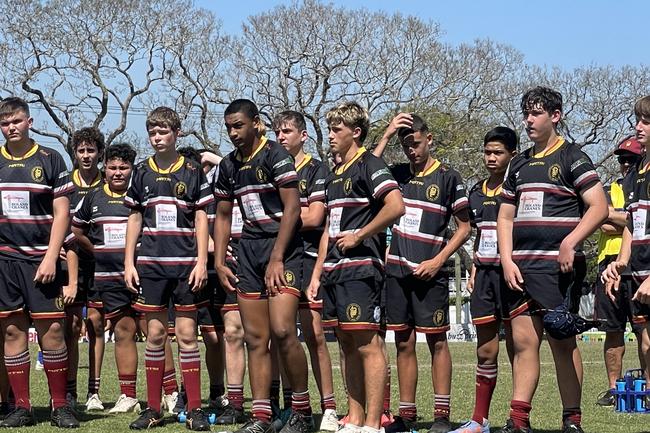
611, 276
199, 275
314, 284
81, 236
70, 290
429, 268
312, 217
392, 209
133, 229
402, 120
596, 203
46, 271
505, 222
616, 221
221, 236
274, 276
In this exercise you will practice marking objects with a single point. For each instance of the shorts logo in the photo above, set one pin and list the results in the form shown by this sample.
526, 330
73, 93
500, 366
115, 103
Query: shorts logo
353, 312
260, 174
37, 174
58, 302
438, 318
432, 192
554, 172
180, 189
302, 186
376, 315
290, 278
347, 186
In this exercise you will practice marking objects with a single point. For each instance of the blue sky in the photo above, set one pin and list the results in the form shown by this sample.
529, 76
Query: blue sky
569, 33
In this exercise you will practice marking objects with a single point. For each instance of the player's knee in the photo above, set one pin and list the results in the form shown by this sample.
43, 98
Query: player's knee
233, 334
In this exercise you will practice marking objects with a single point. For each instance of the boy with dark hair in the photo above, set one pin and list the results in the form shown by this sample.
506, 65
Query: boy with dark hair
617, 313
363, 199
35, 208
99, 225
417, 282
260, 174
167, 197
552, 200
291, 132
490, 297
635, 248
88, 146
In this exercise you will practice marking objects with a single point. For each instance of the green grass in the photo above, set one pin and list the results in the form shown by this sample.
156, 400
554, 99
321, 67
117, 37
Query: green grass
546, 406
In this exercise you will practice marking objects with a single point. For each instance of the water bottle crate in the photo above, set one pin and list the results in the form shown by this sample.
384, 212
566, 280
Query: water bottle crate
631, 394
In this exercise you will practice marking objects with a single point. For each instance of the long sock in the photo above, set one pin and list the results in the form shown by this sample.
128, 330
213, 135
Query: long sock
300, 403
71, 387
190, 360
328, 402
441, 409
286, 397
520, 413
387, 391
154, 362
236, 396
216, 391
275, 392
408, 411
261, 410
18, 372
55, 364
574, 414
127, 384
169, 381
93, 385
486, 381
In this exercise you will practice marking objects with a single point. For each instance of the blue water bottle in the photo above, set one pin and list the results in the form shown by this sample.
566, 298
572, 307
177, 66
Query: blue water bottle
639, 395
621, 396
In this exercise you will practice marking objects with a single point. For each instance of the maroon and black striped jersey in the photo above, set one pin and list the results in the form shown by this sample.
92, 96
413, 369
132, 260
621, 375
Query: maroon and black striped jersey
168, 200
430, 198
102, 214
76, 197
28, 187
638, 224
311, 184
545, 189
254, 183
355, 193
484, 205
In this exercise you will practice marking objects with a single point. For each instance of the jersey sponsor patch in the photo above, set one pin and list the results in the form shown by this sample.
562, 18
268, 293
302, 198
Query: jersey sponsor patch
252, 204
487, 245
114, 235
410, 221
335, 221
166, 216
15, 203
531, 204
640, 217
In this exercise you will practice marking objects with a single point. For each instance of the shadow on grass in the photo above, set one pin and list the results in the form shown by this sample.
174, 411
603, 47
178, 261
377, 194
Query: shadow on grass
423, 426
43, 413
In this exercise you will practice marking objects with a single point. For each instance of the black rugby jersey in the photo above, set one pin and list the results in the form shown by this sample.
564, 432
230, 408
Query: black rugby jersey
77, 195
430, 198
28, 187
484, 205
168, 200
355, 193
254, 183
638, 224
103, 215
311, 184
545, 189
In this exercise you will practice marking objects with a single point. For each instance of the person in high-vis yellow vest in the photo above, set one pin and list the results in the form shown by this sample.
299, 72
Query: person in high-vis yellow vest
628, 152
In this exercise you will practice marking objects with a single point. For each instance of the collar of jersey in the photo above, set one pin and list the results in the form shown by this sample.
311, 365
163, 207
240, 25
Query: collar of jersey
491, 192
174, 167
30, 152
110, 193
304, 162
257, 150
342, 168
558, 143
76, 179
429, 170
642, 171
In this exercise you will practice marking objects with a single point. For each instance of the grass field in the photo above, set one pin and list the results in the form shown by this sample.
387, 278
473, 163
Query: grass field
546, 406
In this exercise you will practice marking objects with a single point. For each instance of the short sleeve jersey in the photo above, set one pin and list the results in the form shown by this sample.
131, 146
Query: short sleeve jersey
355, 192
168, 200
638, 224
28, 187
103, 215
545, 189
430, 199
311, 185
255, 184
484, 205
77, 196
